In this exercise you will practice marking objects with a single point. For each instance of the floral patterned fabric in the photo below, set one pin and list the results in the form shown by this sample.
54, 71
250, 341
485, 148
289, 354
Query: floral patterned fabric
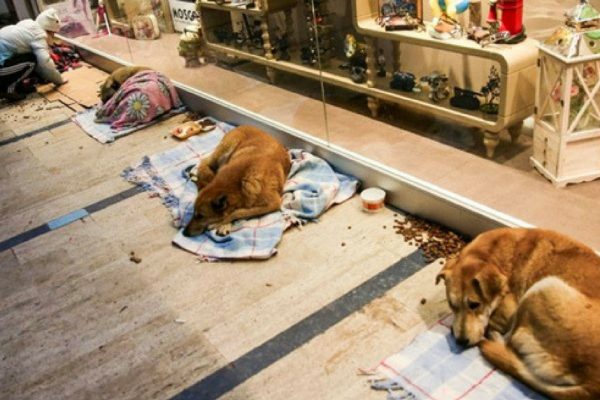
142, 98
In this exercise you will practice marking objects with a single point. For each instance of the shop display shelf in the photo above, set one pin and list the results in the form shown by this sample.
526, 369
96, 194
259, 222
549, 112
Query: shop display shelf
517, 68
264, 7
517, 65
333, 76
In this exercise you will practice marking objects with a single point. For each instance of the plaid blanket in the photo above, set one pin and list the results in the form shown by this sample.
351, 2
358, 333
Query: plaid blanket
104, 133
312, 187
434, 367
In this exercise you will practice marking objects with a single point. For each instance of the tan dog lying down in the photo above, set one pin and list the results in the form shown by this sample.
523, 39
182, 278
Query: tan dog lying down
113, 82
536, 294
242, 178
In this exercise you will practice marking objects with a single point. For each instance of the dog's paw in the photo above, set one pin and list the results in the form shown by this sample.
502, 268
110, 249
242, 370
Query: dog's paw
222, 230
495, 336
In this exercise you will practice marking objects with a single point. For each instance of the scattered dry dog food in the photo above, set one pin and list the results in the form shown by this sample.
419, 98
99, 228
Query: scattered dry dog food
134, 258
423, 300
434, 240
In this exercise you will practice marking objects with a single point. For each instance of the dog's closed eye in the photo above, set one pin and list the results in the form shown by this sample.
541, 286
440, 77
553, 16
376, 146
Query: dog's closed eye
219, 204
473, 305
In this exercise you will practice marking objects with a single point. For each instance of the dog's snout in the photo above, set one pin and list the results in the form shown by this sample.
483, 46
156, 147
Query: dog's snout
462, 342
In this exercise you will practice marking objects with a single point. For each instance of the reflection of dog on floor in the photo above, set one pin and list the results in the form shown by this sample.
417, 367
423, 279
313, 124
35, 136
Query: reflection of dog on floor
242, 178
114, 81
536, 295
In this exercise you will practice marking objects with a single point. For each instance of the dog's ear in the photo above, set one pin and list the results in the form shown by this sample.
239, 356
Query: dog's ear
443, 275
220, 203
489, 283
109, 82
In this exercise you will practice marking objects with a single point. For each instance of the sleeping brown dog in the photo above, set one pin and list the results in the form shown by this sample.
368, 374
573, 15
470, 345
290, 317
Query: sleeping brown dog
531, 299
114, 81
242, 178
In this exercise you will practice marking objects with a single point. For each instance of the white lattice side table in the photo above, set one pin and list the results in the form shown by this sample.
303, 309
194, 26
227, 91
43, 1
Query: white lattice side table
566, 145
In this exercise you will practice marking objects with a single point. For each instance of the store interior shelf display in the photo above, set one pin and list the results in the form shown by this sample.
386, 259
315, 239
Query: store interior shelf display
248, 7
361, 55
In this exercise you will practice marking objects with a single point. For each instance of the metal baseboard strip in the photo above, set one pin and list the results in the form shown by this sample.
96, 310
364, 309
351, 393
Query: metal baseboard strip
405, 192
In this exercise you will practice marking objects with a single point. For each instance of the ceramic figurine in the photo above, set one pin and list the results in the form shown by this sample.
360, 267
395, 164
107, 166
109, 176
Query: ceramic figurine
190, 46
438, 86
404, 81
358, 74
509, 29
445, 12
491, 93
102, 24
355, 53
395, 16
465, 99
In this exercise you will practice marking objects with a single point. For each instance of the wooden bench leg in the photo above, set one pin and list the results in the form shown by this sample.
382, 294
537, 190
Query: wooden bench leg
515, 131
373, 103
490, 140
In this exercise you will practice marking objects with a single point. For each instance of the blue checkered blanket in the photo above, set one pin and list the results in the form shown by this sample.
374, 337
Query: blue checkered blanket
312, 187
434, 367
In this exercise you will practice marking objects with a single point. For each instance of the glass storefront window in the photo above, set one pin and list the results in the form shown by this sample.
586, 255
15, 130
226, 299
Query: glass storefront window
335, 69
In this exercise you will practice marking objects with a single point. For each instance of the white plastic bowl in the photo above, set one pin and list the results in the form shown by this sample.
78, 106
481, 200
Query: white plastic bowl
372, 199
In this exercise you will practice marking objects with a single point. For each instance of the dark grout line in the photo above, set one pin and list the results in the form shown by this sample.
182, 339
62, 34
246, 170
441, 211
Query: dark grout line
109, 201
34, 132
68, 218
250, 364
24, 237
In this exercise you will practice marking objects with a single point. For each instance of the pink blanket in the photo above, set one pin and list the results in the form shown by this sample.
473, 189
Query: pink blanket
142, 98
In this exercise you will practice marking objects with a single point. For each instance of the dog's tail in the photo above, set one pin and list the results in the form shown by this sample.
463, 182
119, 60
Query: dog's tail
505, 359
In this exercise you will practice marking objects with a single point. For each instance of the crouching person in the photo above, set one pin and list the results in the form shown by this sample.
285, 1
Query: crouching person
24, 47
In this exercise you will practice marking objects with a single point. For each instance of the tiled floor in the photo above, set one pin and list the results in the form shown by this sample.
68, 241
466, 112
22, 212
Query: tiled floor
80, 320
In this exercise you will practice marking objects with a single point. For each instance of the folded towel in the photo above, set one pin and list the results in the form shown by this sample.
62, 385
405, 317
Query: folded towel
312, 187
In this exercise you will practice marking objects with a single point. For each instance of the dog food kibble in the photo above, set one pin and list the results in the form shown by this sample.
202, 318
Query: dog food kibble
343, 244
349, 227
423, 300
133, 258
434, 240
